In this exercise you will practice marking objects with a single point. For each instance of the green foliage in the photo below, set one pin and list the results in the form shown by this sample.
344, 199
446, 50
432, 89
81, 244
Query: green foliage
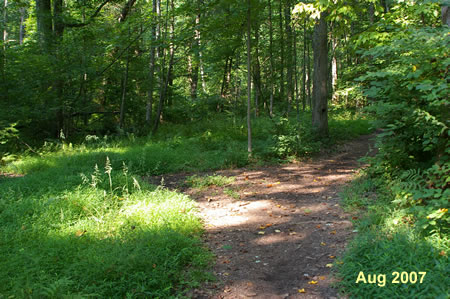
209, 180
390, 239
104, 234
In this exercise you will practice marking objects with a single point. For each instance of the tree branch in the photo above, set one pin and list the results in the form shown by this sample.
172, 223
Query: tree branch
97, 11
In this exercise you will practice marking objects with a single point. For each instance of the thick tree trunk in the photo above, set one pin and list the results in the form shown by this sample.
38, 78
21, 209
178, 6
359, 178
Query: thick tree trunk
445, 15
44, 23
320, 106
249, 79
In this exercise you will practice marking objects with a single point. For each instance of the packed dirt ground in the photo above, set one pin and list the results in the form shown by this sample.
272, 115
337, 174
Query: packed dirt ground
277, 230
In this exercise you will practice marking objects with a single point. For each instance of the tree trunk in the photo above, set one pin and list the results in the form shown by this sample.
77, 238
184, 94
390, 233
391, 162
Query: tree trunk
124, 92
287, 14
334, 69
198, 43
22, 25
320, 106
281, 52
304, 67
271, 59
308, 73
249, 80
297, 104
257, 72
4, 36
445, 15
224, 77
44, 23
151, 85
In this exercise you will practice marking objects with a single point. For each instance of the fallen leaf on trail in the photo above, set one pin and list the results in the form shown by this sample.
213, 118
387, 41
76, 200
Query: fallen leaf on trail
339, 262
314, 180
261, 233
333, 232
249, 284
264, 226
226, 262
269, 185
292, 233
329, 265
226, 273
321, 277
301, 291
318, 226
246, 177
278, 231
313, 282
354, 218
331, 256
278, 206
323, 243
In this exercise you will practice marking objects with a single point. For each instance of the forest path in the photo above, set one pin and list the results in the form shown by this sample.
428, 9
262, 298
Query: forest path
276, 230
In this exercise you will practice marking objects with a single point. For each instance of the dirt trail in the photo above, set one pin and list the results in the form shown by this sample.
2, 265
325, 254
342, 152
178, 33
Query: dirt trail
281, 229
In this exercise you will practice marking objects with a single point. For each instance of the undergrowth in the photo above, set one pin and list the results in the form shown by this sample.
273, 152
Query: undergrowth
391, 238
82, 222
100, 233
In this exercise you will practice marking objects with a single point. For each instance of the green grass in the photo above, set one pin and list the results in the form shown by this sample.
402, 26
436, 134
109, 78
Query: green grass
77, 225
388, 242
202, 182
67, 235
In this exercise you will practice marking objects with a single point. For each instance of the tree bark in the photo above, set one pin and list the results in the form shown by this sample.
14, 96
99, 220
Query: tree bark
22, 26
281, 52
445, 15
287, 17
124, 92
304, 67
151, 85
4, 36
334, 68
271, 59
320, 106
44, 23
308, 73
249, 80
257, 72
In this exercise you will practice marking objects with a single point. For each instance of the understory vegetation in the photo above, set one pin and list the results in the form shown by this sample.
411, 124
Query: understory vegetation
403, 196
96, 97
80, 220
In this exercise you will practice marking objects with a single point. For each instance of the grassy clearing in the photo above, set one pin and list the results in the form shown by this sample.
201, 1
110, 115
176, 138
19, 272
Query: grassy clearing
388, 241
103, 234
82, 222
